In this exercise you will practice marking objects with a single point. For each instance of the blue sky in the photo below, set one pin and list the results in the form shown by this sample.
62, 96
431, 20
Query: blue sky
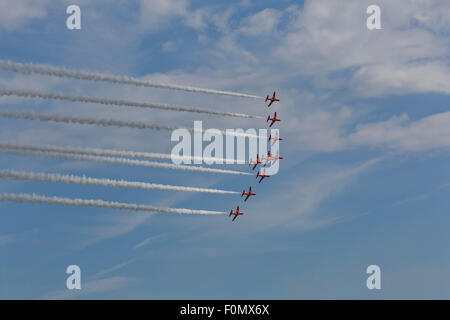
365, 179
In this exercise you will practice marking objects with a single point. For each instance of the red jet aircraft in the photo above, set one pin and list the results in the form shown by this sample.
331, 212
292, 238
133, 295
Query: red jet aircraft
272, 158
274, 119
248, 194
272, 100
236, 213
275, 138
255, 163
264, 175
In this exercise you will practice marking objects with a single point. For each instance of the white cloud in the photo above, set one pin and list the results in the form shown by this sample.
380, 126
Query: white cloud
14, 13
198, 19
328, 131
155, 14
321, 130
428, 133
261, 23
331, 36
425, 77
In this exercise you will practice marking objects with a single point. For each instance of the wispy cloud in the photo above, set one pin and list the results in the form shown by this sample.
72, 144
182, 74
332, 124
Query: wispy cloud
149, 240
299, 211
112, 269
93, 287
112, 226
412, 200
5, 239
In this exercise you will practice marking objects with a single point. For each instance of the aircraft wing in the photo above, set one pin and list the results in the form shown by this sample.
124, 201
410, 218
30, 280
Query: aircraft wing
248, 196
234, 218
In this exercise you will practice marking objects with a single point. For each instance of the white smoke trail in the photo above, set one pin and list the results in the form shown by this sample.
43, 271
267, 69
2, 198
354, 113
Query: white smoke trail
103, 122
34, 198
62, 72
111, 153
78, 120
115, 102
83, 180
124, 161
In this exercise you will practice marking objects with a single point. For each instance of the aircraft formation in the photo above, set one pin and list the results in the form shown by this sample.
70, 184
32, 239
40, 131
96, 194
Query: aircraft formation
114, 156
263, 159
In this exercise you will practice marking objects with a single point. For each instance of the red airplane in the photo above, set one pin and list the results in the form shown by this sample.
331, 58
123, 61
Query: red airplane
255, 163
248, 194
272, 158
275, 139
274, 119
272, 100
264, 175
236, 214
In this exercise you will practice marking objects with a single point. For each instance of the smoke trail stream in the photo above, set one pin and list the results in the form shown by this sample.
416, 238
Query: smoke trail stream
34, 198
105, 122
83, 180
111, 153
116, 102
29, 68
123, 161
